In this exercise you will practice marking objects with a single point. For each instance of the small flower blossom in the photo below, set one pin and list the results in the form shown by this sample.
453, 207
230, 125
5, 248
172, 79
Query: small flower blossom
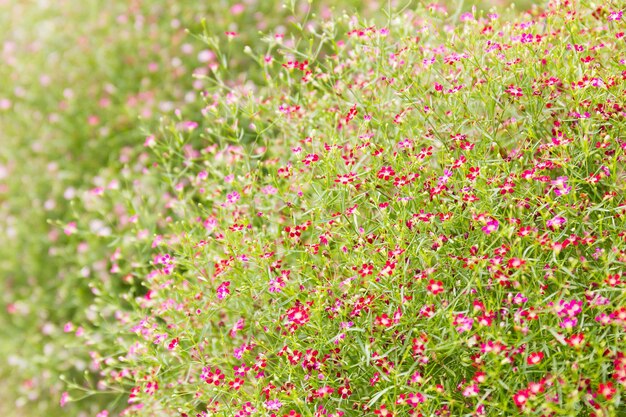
435, 287
273, 405
521, 398
556, 222
491, 226
607, 390
223, 290
560, 186
65, 397
514, 91
534, 358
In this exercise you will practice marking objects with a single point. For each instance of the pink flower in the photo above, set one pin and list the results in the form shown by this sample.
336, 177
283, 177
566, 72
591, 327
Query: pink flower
560, 186
463, 323
273, 404
569, 323
556, 222
222, 290
70, 229
514, 91
237, 9
65, 397
491, 226
276, 284
466, 17
435, 287
150, 141
233, 197
471, 390
187, 125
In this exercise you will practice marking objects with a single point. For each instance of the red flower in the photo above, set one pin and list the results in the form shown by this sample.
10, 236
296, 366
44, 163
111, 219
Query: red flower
298, 315
172, 345
401, 181
346, 178
295, 357
216, 377
526, 231
345, 391
386, 172
383, 321
236, 383
366, 269
435, 287
534, 358
425, 152
514, 91
515, 263
606, 390
507, 187
474, 172
293, 232
613, 280
576, 340
310, 158
388, 268
415, 398
383, 412
521, 397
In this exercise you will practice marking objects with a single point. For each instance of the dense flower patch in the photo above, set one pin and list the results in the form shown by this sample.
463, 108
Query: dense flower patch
81, 85
423, 218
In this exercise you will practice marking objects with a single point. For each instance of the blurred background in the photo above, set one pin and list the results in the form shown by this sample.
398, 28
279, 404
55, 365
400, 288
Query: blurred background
83, 81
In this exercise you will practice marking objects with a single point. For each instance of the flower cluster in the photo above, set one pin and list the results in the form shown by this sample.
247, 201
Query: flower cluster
406, 227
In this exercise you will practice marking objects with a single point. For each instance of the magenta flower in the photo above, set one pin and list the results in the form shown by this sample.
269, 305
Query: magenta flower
269, 190
463, 323
65, 397
70, 229
560, 186
556, 222
491, 226
570, 308
276, 284
232, 198
222, 290
273, 404
187, 125
569, 323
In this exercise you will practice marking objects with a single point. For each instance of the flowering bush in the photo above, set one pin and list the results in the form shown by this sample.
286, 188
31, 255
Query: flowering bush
421, 218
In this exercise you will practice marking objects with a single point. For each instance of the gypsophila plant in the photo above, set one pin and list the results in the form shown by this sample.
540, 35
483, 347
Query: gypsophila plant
81, 81
424, 217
